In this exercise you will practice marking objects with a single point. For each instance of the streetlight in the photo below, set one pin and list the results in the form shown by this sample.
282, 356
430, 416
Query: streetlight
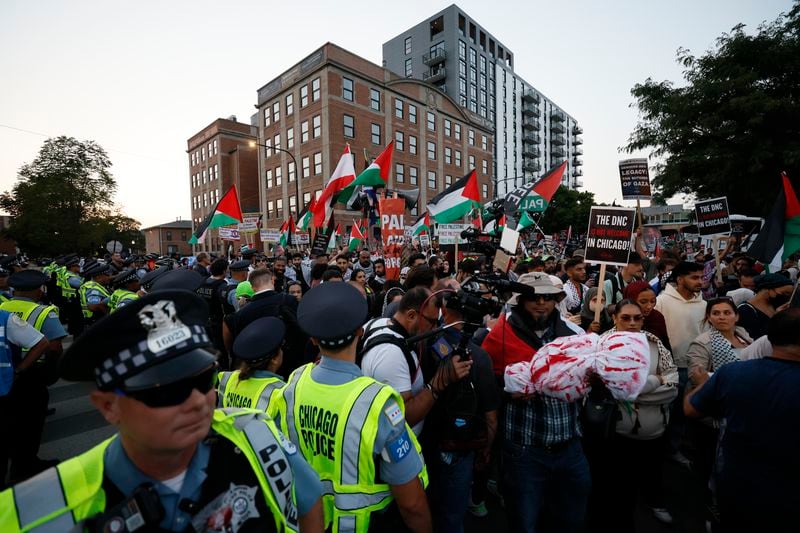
253, 144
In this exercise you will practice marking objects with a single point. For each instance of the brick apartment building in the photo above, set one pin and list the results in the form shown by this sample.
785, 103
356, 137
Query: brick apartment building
169, 238
334, 97
220, 155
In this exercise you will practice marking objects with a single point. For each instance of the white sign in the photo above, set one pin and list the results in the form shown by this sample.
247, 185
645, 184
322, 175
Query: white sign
449, 233
425, 240
300, 238
270, 235
229, 234
248, 225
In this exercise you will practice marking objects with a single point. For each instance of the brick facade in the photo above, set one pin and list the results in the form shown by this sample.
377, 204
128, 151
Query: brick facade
170, 238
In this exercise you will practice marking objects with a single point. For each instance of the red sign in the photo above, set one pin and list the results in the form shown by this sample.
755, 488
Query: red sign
392, 233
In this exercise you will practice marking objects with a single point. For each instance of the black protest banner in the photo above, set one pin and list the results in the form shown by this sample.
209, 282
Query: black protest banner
635, 179
713, 217
610, 233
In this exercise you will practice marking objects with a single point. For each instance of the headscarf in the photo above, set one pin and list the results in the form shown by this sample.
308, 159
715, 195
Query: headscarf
654, 322
587, 314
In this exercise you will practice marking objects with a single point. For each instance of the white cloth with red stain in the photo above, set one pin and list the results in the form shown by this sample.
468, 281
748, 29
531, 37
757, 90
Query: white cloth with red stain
563, 368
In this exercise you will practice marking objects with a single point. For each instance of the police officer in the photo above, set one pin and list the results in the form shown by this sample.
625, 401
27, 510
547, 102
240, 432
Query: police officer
239, 271
217, 294
257, 350
147, 281
176, 463
345, 423
31, 395
93, 293
126, 287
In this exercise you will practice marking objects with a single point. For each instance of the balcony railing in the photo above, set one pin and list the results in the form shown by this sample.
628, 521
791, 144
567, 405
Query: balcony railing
558, 116
557, 127
530, 151
577, 172
433, 75
577, 183
557, 152
577, 140
531, 123
577, 130
530, 95
576, 161
578, 151
531, 110
435, 57
531, 138
531, 166
558, 140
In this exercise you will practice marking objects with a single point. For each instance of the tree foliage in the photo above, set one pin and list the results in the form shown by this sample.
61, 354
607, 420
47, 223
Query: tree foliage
735, 125
568, 207
63, 200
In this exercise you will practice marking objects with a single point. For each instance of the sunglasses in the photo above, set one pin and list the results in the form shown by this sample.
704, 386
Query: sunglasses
545, 297
174, 393
631, 318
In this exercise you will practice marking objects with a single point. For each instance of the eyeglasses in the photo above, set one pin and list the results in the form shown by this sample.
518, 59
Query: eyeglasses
174, 393
545, 297
631, 318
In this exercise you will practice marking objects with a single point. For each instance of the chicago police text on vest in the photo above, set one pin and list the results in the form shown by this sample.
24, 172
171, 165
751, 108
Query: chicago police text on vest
318, 429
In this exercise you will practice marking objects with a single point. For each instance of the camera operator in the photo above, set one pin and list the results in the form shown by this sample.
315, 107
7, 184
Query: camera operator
545, 467
463, 422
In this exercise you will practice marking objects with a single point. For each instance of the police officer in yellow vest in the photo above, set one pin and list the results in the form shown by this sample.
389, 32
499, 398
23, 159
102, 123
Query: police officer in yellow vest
351, 428
176, 464
257, 351
4, 295
126, 288
93, 293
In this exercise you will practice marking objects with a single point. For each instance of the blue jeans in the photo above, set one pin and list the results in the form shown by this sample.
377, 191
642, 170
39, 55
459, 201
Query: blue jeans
557, 481
451, 482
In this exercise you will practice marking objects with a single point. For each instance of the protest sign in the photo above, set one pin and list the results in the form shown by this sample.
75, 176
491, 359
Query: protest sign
610, 233
393, 233
450, 233
635, 178
301, 238
320, 245
270, 235
425, 241
713, 217
229, 234
249, 224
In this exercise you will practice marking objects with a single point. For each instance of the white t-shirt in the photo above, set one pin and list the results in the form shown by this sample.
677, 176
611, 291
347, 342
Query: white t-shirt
387, 364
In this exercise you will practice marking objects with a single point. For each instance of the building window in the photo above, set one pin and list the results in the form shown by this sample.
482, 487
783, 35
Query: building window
270, 208
447, 127
399, 173
306, 161
412, 113
431, 121
484, 142
408, 45
376, 133
304, 131
349, 126
485, 188
412, 175
205, 175
458, 158
267, 148
484, 166
399, 140
306, 198
194, 160
289, 138
448, 155
317, 120
462, 49
269, 179
347, 89
315, 84
432, 150
448, 181
278, 176
203, 153
398, 108
276, 112
267, 116
279, 208
276, 142
458, 132
215, 147
293, 204
304, 96
471, 160
431, 179
205, 199
289, 104
291, 171
375, 99
409, 70
412, 145
471, 137
318, 163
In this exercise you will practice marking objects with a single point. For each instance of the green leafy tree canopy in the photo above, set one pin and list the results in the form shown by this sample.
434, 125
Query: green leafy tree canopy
735, 125
568, 207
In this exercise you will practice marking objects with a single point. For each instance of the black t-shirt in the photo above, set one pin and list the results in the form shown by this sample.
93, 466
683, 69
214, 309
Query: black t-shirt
754, 321
760, 401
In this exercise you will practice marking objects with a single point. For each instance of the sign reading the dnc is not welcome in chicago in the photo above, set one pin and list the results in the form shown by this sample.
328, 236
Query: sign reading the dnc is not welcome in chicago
610, 233
713, 217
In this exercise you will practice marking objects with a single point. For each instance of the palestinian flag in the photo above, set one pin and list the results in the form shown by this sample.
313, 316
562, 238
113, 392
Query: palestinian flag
375, 175
287, 229
457, 200
226, 212
334, 236
423, 225
537, 200
497, 227
525, 221
306, 216
780, 236
343, 175
356, 237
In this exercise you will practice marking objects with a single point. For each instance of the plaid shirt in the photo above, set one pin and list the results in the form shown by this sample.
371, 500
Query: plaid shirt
543, 421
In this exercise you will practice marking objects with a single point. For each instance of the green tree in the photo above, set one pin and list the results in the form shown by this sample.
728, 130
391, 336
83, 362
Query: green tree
63, 200
734, 125
568, 207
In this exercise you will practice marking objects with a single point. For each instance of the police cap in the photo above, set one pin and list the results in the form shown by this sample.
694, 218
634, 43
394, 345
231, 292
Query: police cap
239, 266
27, 280
260, 340
150, 278
72, 261
181, 278
156, 340
249, 253
95, 269
332, 313
124, 277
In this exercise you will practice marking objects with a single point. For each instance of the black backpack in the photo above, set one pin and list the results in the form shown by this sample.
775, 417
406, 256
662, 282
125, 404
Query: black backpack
386, 338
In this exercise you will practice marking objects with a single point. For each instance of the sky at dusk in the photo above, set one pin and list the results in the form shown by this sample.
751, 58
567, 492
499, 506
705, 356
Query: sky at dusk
141, 77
